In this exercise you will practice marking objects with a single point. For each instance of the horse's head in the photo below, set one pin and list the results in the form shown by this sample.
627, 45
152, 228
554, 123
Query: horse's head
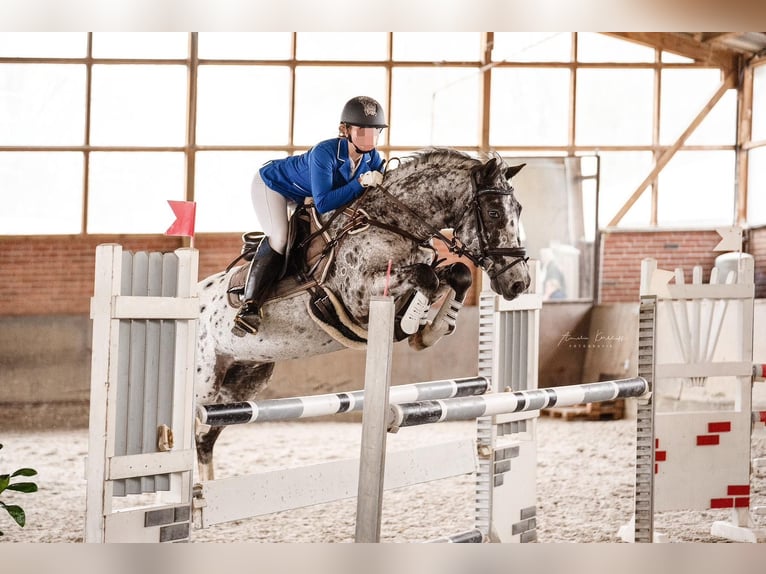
489, 229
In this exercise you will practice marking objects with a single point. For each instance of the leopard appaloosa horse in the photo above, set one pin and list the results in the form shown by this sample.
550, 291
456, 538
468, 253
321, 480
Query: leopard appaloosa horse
382, 243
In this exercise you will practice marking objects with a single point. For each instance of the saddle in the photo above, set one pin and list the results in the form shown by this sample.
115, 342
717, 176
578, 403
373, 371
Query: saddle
310, 254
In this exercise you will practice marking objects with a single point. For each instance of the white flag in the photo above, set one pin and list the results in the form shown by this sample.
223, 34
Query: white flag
731, 239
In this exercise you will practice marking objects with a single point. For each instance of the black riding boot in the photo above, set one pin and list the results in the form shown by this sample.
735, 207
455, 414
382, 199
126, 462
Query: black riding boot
264, 270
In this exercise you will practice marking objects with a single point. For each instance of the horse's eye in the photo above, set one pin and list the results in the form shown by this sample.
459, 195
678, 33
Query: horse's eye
493, 213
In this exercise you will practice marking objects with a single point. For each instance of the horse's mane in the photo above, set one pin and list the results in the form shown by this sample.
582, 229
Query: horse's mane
429, 157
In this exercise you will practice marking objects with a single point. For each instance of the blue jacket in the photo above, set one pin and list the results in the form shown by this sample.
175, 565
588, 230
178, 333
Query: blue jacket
323, 172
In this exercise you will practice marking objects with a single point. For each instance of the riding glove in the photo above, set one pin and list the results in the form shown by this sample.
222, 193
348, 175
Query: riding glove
371, 178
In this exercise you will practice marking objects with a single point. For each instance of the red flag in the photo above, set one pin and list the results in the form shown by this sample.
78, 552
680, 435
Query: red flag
185, 212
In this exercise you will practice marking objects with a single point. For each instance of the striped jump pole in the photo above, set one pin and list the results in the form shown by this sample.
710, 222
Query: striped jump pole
468, 408
473, 536
330, 404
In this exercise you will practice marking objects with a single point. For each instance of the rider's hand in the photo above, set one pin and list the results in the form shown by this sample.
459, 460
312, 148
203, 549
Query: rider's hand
371, 178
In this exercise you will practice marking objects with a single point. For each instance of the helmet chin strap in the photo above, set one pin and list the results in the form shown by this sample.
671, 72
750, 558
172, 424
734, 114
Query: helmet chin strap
350, 139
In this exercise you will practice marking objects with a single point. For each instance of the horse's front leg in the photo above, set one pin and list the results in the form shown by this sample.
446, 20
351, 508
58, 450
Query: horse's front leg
458, 277
419, 286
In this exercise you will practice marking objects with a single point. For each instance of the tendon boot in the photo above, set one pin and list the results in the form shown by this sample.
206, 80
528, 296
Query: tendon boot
264, 270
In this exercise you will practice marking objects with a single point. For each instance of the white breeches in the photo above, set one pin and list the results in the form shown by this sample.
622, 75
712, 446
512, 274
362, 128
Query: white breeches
271, 211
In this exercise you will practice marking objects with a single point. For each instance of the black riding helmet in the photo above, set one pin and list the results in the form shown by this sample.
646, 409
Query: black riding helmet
364, 112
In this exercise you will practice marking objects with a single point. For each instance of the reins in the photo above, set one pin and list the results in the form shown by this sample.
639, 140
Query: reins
454, 245
359, 219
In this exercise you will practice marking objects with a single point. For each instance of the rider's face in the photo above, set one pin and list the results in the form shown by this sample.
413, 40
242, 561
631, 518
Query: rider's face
364, 138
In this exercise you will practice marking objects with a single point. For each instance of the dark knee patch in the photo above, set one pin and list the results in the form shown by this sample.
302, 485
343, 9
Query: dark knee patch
459, 278
425, 277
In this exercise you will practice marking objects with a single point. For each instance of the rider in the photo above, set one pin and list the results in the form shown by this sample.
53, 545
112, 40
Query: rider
334, 172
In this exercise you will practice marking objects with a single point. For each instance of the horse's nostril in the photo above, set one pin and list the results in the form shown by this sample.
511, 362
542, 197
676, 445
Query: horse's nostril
518, 287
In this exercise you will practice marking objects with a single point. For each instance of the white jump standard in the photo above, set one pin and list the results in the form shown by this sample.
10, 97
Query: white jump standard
144, 314
695, 342
505, 496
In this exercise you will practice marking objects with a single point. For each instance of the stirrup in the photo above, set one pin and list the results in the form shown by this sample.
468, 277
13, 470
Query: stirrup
243, 326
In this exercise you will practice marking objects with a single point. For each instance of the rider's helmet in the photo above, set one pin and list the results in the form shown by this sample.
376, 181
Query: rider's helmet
364, 112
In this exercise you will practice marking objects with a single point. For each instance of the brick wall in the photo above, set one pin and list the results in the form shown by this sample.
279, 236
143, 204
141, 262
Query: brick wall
622, 252
42, 275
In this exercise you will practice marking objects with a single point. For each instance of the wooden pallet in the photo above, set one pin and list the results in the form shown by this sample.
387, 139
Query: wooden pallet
606, 411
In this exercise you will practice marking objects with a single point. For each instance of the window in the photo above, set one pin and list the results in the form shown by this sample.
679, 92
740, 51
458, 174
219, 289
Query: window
756, 198
42, 105
129, 191
532, 47
138, 105
697, 188
614, 107
96, 124
141, 45
592, 47
245, 45
41, 192
437, 46
684, 94
223, 189
620, 175
342, 46
43, 44
435, 107
243, 105
759, 107
321, 92
529, 107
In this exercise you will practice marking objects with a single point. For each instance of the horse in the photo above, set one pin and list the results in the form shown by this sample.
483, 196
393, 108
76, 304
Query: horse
381, 243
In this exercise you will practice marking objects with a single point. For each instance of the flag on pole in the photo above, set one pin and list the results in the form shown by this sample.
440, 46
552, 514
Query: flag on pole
731, 239
185, 212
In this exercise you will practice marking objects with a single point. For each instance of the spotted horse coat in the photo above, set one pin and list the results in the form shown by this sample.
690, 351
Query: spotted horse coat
420, 197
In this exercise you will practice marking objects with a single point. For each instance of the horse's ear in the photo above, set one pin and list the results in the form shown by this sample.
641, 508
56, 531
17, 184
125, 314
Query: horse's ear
513, 170
489, 171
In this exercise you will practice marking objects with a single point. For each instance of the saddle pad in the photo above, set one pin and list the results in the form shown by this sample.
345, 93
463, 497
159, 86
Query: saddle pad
329, 313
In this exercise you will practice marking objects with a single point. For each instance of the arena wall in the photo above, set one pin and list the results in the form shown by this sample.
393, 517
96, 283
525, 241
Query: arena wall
47, 282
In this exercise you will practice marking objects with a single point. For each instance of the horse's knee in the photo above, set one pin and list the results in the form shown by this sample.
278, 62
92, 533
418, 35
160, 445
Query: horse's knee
458, 276
425, 278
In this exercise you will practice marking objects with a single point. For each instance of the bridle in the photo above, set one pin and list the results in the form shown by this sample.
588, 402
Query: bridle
482, 256
485, 252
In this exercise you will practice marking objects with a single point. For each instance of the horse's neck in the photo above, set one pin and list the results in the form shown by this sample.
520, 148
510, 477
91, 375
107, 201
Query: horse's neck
440, 201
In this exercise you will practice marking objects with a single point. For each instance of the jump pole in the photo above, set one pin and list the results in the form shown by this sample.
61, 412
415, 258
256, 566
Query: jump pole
293, 408
469, 408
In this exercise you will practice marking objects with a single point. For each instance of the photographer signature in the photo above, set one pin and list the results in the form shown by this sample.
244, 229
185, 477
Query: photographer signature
599, 340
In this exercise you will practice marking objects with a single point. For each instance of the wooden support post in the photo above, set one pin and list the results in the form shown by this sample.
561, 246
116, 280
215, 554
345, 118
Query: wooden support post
372, 457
